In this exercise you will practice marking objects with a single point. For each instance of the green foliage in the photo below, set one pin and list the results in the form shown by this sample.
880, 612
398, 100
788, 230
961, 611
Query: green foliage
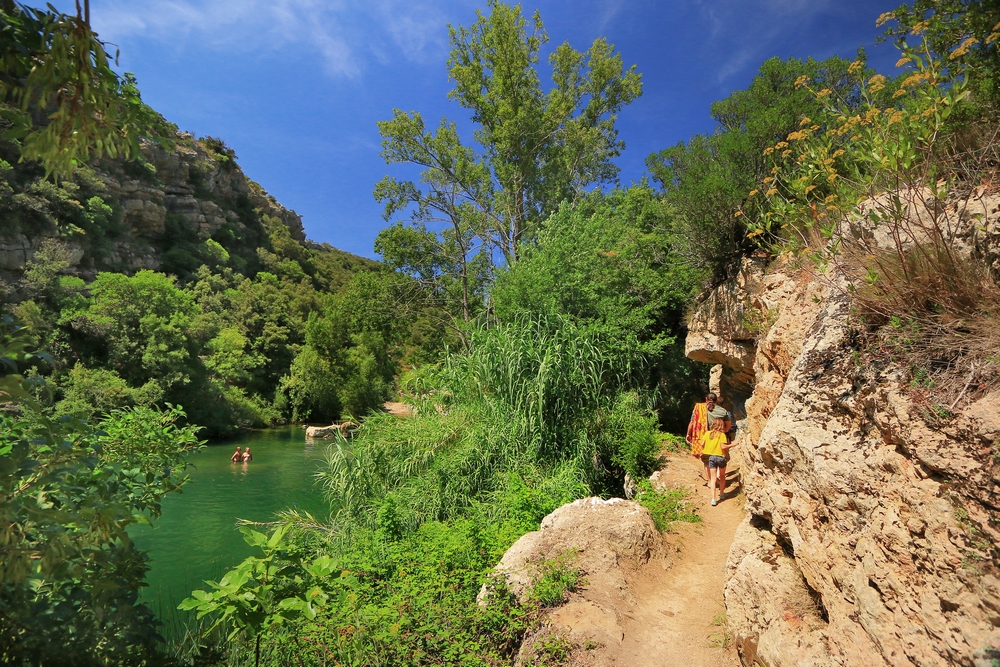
556, 578
707, 179
69, 574
666, 506
54, 64
962, 32
608, 264
540, 148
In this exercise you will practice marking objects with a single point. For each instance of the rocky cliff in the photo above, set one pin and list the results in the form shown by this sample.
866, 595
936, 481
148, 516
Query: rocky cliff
156, 212
871, 530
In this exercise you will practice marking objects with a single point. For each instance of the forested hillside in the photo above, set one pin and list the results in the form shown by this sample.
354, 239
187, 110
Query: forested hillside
172, 277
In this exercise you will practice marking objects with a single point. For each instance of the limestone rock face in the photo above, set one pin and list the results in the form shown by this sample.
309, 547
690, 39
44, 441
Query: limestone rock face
186, 185
868, 533
608, 541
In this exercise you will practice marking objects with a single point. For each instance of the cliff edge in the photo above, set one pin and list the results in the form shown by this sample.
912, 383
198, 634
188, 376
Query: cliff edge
871, 529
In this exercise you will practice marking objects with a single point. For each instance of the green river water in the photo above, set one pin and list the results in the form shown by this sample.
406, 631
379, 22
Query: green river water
196, 537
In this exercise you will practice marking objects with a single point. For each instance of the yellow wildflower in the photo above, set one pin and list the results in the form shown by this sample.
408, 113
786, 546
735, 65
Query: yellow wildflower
805, 121
963, 48
918, 28
991, 37
831, 177
884, 18
837, 153
896, 118
856, 66
902, 61
796, 136
913, 80
824, 93
810, 189
899, 93
814, 127
801, 81
774, 170
768, 179
737, 214
786, 153
996, 28
827, 162
771, 192
781, 144
753, 192
829, 199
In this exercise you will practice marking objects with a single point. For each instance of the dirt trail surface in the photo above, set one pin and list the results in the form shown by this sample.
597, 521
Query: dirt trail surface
648, 601
672, 624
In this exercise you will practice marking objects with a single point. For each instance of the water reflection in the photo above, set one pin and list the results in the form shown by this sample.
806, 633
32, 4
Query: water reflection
197, 539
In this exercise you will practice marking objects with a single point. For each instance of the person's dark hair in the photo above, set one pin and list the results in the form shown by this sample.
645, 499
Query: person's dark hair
712, 397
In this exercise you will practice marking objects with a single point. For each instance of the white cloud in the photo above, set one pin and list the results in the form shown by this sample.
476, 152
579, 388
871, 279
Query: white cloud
343, 33
743, 31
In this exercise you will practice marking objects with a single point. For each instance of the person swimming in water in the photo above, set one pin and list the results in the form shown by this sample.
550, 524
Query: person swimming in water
247, 456
236, 457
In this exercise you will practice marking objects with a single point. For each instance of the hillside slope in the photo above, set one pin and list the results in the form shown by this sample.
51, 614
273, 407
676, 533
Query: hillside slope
170, 211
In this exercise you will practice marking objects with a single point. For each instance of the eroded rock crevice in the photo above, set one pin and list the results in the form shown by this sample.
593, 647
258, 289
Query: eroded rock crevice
869, 533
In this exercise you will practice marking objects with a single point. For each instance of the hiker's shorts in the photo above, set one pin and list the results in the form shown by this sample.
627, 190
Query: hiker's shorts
716, 461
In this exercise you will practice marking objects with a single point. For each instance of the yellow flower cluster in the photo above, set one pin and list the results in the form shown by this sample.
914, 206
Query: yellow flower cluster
768, 150
805, 121
902, 61
990, 38
876, 83
786, 153
738, 214
919, 28
824, 93
770, 192
963, 48
896, 117
855, 67
801, 81
753, 192
829, 199
837, 153
781, 144
768, 179
884, 18
915, 79
798, 136
899, 93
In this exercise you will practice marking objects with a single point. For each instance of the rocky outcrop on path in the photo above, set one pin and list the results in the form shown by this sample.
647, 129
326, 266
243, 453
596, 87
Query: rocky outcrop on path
869, 534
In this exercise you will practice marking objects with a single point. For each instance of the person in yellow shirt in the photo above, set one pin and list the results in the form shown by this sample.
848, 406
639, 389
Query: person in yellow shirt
715, 444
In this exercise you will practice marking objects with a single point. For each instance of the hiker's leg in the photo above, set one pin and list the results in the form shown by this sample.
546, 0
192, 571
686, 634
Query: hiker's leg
712, 474
722, 481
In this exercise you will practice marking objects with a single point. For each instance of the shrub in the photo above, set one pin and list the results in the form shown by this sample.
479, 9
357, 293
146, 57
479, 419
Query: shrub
666, 506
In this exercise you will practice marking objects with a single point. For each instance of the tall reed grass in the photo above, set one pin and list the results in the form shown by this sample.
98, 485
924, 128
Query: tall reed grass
533, 398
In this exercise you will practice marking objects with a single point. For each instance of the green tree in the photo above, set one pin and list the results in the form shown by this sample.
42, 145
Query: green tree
53, 67
539, 148
708, 178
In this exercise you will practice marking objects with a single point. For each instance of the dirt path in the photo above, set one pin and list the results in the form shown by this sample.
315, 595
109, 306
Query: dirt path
671, 624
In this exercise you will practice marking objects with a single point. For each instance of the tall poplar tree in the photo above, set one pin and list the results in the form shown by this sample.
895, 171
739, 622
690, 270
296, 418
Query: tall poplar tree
536, 148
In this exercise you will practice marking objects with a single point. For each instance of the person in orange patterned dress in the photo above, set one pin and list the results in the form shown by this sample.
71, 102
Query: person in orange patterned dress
697, 426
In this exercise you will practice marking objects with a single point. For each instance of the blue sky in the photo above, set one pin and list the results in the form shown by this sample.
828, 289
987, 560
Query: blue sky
295, 86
